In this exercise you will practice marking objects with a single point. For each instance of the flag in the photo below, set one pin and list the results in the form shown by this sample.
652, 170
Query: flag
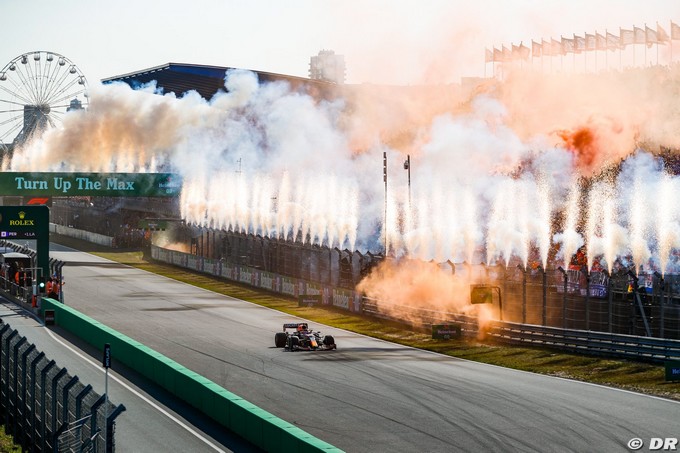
661, 34
497, 55
579, 44
507, 54
591, 42
546, 48
556, 47
524, 51
515, 52
600, 42
567, 45
627, 37
650, 36
675, 31
639, 35
536, 49
488, 56
613, 41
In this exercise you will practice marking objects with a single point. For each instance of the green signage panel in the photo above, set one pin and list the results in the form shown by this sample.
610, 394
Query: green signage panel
672, 370
24, 222
28, 222
90, 184
481, 294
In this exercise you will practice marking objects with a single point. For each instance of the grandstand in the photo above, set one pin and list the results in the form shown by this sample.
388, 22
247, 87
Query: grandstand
179, 78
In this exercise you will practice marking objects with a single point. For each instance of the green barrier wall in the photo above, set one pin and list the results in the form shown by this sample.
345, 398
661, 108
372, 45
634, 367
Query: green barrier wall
233, 412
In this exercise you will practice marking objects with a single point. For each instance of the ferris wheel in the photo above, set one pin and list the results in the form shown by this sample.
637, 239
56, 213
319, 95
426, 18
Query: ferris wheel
36, 90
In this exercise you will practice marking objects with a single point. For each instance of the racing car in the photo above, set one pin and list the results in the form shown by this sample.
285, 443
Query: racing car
303, 339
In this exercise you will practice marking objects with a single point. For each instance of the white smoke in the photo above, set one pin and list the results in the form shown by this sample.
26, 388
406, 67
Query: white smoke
271, 160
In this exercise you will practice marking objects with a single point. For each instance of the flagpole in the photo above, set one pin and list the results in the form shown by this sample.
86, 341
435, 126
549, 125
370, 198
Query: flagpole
645, 65
595, 51
585, 55
606, 49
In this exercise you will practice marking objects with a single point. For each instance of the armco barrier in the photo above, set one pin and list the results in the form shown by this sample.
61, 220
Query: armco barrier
254, 424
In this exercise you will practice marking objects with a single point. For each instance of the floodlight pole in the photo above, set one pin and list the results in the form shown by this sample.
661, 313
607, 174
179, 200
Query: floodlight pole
524, 292
407, 167
662, 287
609, 300
587, 272
500, 302
638, 300
564, 297
385, 213
545, 297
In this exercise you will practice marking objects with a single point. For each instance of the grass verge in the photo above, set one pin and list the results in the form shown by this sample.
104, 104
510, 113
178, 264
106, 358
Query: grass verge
625, 374
7, 444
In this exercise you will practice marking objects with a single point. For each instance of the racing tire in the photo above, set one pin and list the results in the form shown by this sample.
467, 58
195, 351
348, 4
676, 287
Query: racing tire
280, 339
329, 341
293, 343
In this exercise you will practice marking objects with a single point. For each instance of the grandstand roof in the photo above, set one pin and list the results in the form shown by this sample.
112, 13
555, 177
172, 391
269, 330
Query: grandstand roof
179, 78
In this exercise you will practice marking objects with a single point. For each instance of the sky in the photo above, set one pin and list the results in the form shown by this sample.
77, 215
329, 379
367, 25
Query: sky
511, 151
402, 42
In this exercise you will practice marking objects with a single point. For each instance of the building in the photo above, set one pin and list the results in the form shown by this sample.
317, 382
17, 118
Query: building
179, 78
327, 66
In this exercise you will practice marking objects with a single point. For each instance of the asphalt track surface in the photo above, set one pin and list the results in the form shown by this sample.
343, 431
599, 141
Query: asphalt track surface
153, 420
369, 395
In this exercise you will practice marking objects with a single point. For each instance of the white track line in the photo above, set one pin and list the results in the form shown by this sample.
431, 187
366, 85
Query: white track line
138, 394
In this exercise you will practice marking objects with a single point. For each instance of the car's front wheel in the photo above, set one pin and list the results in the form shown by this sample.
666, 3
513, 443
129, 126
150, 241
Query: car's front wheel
329, 341
293, 343
280, 339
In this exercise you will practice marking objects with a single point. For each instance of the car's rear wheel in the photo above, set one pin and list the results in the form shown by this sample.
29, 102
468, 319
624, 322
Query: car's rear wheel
280, 339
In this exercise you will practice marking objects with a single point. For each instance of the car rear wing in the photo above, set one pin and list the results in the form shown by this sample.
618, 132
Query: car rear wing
294, 325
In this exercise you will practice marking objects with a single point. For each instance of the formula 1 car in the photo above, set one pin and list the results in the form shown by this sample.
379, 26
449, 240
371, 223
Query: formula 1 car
303, 339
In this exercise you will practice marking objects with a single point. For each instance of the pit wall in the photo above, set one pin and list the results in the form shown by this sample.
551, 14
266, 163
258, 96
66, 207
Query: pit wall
254, 424
288, 286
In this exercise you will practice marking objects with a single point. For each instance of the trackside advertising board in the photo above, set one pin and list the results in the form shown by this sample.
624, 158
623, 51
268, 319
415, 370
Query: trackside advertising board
672, 370
446, 331
307, 293
90, 184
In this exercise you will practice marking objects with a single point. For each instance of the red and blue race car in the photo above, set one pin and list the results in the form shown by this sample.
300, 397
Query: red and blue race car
303, 339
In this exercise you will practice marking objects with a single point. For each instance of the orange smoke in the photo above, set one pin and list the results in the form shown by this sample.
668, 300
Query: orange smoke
583, 143
404, 285
601, 117
399, 117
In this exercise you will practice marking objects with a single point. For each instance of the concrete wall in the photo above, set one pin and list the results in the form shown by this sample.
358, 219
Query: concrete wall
81, 234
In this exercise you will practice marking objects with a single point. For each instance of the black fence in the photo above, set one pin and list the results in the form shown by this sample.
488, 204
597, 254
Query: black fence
573, 299
27, 290
621, 303
45, 408
320, 264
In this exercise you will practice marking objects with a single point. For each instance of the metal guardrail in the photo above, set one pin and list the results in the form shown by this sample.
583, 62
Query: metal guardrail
39, 401
570, 340
589, 342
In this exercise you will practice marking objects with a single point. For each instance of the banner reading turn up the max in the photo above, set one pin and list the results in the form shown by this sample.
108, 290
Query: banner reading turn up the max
90, 184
